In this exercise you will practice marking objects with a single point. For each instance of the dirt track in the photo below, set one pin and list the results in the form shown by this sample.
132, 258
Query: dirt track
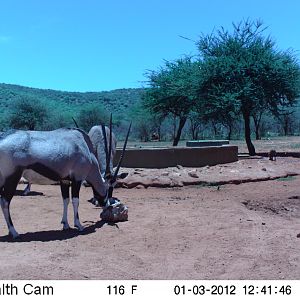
246, 231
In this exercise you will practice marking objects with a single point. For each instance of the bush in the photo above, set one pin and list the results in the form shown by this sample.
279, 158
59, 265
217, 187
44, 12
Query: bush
92, 115
28, 113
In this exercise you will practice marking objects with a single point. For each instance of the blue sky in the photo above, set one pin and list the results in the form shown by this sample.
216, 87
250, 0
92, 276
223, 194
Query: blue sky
89, 45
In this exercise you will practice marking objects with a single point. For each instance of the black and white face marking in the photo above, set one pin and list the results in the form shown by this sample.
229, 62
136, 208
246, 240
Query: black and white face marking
104, 143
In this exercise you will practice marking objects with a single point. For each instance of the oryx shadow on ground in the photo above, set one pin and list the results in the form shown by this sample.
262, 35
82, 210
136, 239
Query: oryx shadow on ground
31, 193
56, 235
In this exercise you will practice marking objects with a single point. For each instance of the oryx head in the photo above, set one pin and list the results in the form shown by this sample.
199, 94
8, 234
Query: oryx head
111, 177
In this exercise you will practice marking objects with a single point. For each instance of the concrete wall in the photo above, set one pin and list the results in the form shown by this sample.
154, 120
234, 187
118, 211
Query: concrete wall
206, 143
170, 157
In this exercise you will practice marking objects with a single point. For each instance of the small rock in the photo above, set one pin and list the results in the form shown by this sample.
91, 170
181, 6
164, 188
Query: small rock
263, 223
294, 197
193, 174
165, 174
298, 235
140, 187
179, 167
264, 169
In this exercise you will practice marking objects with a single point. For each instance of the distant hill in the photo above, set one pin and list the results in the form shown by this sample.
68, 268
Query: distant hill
119, 101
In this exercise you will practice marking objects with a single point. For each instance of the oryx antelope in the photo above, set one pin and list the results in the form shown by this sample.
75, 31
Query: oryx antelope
98, 142
60, 155
105, 144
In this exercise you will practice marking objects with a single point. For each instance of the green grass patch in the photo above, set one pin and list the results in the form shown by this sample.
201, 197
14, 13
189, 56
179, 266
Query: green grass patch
288, 178
295, 146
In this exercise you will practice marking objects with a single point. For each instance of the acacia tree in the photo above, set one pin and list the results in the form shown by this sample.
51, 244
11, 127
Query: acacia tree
28, 113
219, 110
245, 68
146, 123
286, 120
173, 90
196, 122
90, 115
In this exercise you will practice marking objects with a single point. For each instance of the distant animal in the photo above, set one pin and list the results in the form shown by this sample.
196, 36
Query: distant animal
272, 155
155, 136
63, 155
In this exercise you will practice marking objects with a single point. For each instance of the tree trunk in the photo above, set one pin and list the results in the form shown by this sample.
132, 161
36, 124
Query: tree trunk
257, 127
286, 126
215, 129
182, 121
257, 135
174, 127
229, 132
250, 146
193, 130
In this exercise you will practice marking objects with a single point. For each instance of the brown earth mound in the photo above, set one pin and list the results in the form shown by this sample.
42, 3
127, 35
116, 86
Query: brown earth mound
246, 170
245, 231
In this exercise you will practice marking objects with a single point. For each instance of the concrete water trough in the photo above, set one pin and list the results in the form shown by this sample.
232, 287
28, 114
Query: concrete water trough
206, 143
173, 156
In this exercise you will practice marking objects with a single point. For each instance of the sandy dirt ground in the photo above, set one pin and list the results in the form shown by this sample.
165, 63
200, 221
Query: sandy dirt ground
228, 231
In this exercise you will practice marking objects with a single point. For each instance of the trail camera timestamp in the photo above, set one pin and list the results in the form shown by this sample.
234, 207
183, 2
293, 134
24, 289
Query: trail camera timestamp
267, 290
239, 290
205, 289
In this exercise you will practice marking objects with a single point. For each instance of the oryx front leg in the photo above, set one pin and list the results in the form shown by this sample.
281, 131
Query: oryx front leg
7, 192
5, 209
75, 201
66, 200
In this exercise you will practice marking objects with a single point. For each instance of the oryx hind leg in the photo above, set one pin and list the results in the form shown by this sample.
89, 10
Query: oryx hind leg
7, 193
75, 188
65, 187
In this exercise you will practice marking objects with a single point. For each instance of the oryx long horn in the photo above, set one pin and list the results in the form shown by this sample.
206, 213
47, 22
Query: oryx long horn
121, 156
105, 145
75, 122
107, 171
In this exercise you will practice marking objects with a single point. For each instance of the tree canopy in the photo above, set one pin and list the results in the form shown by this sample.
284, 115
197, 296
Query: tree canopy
238, 73
28, 113
172, 90
92, 115
243, 72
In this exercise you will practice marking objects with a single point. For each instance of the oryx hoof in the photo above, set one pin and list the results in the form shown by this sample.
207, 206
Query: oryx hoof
93, 201
79, 227
66, 226
14, 235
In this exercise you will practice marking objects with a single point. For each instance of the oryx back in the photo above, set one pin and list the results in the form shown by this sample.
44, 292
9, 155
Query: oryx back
58, 154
